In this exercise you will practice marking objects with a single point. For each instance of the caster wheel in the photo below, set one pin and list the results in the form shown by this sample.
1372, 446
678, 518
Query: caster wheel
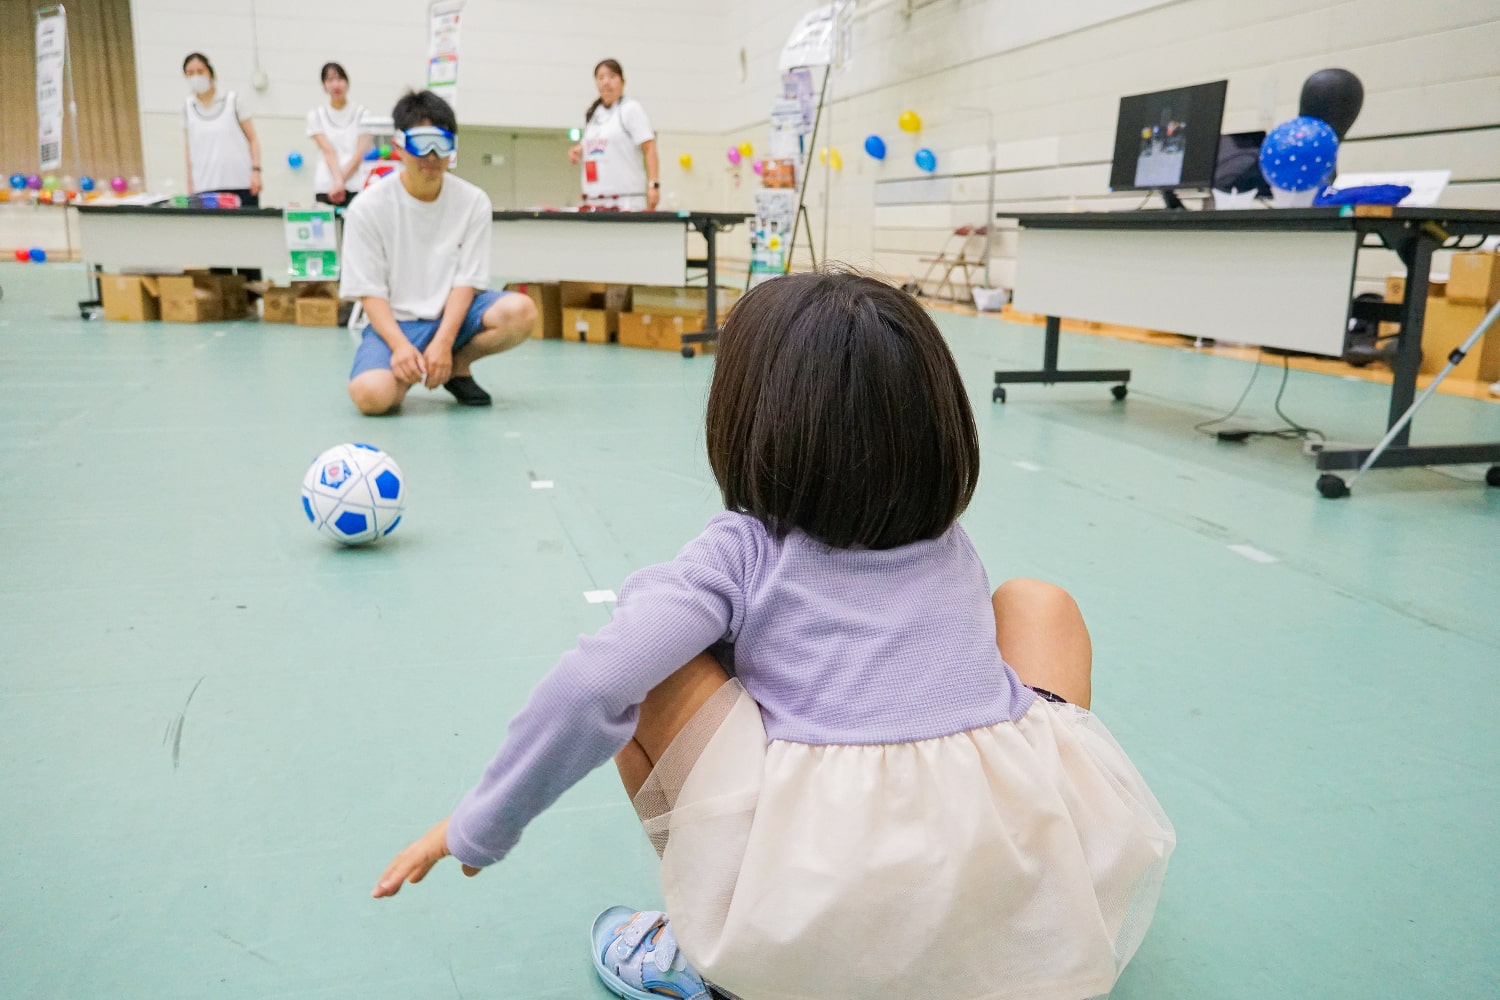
687, 351
1492, 476
1331, 486
1119, 391
998, 395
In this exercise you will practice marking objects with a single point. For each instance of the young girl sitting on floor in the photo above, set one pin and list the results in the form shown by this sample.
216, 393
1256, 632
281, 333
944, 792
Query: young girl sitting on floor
852, 793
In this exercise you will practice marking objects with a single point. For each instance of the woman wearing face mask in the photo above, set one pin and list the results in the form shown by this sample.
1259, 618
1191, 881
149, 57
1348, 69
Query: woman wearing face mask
335, 128
618, 152
223, 152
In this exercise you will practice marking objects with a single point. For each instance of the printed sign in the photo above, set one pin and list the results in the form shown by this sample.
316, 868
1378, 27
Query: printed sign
312, 243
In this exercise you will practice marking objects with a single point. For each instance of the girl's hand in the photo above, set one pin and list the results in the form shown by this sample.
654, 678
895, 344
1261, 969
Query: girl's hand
575, 154
413, 863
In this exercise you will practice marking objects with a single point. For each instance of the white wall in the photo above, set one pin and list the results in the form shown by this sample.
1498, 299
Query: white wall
1425, 66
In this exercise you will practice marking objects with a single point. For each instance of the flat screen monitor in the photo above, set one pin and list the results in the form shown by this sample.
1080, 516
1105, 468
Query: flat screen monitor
1238, 168
1168, 139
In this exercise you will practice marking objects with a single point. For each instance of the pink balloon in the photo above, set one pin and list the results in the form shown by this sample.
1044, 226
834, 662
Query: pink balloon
734, 155
117, 185
760, 166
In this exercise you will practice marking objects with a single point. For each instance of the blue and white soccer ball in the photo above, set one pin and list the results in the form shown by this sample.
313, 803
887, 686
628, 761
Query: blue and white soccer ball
354, 493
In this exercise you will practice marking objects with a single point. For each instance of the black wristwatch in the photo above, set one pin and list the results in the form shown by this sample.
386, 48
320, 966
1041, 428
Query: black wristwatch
656, 185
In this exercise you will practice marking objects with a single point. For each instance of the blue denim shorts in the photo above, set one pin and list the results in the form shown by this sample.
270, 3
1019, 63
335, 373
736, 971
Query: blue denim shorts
374, 353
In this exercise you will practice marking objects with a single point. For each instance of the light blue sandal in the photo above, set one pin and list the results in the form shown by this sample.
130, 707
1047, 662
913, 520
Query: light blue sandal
635, 954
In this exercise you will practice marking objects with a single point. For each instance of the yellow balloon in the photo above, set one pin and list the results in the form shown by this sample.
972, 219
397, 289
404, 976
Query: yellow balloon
686, 159
774, 242
910, 121
835, 160
823, 155
747, 150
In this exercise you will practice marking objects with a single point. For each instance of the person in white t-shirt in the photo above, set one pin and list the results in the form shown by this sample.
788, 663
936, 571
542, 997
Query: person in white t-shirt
335, 127
618, 152
223, 151
417, 254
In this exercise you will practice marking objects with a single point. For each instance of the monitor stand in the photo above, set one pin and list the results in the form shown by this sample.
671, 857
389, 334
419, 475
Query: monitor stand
1174, 203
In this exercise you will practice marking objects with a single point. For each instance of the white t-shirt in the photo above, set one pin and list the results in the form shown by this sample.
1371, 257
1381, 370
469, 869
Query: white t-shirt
217, 146
341, 129
612, 160
413, 253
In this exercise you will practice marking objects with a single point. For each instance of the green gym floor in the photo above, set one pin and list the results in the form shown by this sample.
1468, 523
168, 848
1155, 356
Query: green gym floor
216, 728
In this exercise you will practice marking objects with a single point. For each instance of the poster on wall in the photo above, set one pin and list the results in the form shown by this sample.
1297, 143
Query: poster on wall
770, 241
442, 50
51, 51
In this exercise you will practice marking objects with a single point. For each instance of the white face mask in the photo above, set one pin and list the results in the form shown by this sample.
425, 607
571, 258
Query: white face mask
200, 84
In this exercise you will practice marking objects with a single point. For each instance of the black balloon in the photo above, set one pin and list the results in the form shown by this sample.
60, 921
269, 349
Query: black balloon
1334, 95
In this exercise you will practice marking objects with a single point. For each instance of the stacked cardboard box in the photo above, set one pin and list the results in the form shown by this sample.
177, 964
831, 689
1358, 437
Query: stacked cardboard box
660, 315
130, 298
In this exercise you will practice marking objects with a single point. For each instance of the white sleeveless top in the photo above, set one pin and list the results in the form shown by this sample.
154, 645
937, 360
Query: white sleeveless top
612, 160
341, 129
217, 145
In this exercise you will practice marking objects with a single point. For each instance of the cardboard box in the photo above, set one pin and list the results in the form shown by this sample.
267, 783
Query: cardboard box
591, 326
1447, 325
190, 298
658, 298
1475, 278
279, 304
659, 330
547, 297
130, 298
317, 303
234, 294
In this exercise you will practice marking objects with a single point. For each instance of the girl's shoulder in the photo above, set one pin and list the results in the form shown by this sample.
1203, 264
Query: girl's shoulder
733, 543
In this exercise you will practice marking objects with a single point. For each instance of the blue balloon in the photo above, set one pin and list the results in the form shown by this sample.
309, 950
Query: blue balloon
372, 153
926, 159
875, 146
37, 255
18, 181
294, 159
1300, 155
85, 183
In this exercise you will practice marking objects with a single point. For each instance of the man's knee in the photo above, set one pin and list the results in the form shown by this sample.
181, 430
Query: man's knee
374, 396
512, 313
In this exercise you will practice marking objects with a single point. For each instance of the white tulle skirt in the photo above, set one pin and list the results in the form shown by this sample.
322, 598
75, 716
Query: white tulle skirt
1020, 860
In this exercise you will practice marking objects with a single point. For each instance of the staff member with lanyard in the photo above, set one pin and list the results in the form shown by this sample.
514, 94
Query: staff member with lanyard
223, 151
620, 168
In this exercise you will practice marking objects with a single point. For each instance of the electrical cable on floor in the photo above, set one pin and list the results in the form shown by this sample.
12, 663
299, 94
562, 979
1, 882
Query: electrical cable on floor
1291, 432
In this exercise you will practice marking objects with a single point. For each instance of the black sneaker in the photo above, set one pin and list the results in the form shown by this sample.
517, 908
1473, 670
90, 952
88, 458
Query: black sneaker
467, 391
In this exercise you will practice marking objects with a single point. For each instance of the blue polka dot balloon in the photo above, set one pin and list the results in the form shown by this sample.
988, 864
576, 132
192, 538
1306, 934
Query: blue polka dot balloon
1300, 155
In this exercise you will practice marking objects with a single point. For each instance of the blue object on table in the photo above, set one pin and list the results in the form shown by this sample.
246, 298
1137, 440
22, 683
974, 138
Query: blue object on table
1369, 194
17, 181
84, 183
1300, 155
373, 153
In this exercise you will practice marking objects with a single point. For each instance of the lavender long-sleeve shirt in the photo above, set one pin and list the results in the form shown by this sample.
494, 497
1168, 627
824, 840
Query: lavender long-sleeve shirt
836, 646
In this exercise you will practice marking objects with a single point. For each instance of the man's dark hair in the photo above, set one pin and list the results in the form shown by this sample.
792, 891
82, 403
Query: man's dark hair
417, 106
334, 68
836, 409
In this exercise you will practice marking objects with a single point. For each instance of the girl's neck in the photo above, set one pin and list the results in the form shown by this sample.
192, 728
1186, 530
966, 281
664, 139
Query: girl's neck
609, 104
207, 97
337, 103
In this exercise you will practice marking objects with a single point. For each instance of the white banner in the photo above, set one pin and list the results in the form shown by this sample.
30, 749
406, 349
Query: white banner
442, 51
51, 51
